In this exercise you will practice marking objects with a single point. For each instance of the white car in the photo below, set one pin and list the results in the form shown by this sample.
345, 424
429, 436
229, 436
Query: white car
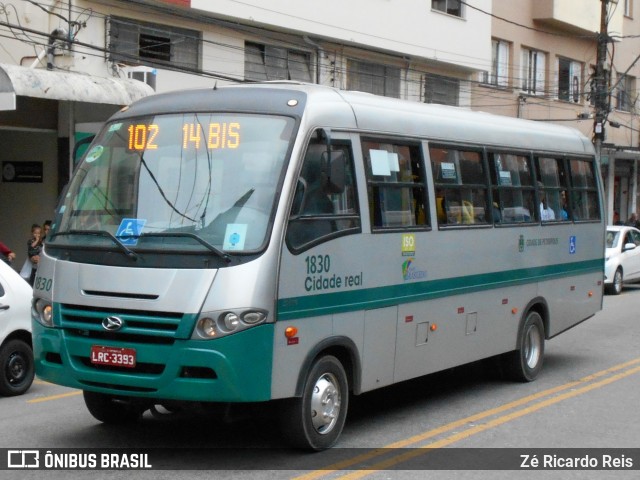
622, 257
16, 354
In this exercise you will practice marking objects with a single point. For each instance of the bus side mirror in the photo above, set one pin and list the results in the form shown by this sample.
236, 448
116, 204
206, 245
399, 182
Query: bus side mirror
336, 172
299, 198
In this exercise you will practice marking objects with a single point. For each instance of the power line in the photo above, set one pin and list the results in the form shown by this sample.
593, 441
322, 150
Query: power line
414, 76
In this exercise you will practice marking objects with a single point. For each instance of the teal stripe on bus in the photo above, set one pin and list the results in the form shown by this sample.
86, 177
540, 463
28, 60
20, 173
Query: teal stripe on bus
378, 297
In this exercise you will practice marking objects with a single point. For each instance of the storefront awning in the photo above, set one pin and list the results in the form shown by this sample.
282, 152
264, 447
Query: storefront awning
68, 86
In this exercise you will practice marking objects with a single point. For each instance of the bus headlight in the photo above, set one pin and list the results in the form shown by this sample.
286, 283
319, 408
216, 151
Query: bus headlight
231, 321
42, 311
206, 327
218, 324
253, 318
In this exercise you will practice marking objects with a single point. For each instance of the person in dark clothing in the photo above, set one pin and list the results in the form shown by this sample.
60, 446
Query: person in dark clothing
34, 247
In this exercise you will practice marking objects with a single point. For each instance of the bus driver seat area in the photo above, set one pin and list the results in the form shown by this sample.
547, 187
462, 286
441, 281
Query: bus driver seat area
318, 180
316, 200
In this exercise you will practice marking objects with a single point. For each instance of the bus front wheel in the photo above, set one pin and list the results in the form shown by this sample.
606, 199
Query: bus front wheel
112, 410
315, 420
524, 363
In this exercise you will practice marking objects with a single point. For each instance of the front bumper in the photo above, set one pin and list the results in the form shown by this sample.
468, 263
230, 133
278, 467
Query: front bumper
235, 368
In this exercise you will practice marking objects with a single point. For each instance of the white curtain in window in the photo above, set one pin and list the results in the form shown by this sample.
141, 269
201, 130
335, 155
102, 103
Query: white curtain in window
533, 71
502, 65
575, 74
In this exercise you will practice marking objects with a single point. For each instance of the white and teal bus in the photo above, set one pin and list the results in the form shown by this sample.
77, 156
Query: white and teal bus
296, 243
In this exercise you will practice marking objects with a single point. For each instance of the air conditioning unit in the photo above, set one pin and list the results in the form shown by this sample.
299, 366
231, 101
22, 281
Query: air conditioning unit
144, 74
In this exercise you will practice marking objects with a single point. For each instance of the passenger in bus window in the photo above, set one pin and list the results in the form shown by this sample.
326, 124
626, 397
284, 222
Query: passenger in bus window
564, 212
546, 212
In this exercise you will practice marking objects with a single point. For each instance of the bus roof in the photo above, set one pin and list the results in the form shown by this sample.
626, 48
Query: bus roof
337, 109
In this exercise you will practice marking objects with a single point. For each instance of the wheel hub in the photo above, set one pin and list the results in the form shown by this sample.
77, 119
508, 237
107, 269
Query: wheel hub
16, 368
325, 404
532, 347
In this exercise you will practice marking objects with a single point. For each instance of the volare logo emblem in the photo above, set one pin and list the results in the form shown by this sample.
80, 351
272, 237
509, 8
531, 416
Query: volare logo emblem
112, 323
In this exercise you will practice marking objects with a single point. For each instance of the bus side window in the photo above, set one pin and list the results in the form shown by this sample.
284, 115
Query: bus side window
324, 204
583, 202
513, 197
395, 184
552, 181
461, 186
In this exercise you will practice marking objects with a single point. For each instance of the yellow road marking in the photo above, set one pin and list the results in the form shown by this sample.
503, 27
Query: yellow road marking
474, 418
42, 382
55, 397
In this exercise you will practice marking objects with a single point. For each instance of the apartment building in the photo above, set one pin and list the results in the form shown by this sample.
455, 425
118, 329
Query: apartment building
66, 66
544, 59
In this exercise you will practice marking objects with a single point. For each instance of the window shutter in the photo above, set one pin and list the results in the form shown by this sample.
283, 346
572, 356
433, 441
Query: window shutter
254, 68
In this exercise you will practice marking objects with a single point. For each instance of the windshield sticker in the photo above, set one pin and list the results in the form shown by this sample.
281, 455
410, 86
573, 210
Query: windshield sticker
129, 230
94, 154
115, 127
235, 236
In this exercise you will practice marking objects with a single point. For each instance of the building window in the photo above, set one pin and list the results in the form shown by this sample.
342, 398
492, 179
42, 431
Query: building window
373, 78
533, 72
625, 93
628, 9
569, 80
499, 74
265, 62
441, 89
452, 7
138, 43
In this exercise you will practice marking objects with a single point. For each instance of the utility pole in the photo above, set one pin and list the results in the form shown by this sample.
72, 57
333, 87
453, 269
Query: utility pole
601, 81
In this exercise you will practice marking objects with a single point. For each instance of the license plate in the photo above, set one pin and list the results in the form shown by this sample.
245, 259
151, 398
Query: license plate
113, 356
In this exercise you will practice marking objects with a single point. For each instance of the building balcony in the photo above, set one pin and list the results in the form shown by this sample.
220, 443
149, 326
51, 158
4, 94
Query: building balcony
575, 16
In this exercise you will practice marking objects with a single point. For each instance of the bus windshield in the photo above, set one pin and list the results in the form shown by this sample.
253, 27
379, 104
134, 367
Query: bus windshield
195, 181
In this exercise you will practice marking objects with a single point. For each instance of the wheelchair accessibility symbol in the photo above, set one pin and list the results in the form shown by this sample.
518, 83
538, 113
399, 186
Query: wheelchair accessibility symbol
129, 230
572, 245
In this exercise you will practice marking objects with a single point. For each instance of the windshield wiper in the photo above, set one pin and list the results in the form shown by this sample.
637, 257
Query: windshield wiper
193, 236
100, 233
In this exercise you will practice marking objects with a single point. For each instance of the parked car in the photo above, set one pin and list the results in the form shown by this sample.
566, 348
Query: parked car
622, 257
16, 354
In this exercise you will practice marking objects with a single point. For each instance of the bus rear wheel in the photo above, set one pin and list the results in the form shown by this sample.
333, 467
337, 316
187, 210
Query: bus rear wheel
524, 363
112, 410
316, 419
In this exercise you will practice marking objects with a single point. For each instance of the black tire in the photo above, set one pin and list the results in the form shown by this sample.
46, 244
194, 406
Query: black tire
112, 410
16, 360
616, 285
524, 363
326, 388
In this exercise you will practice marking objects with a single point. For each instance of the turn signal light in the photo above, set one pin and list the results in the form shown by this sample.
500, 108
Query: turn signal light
290, 332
